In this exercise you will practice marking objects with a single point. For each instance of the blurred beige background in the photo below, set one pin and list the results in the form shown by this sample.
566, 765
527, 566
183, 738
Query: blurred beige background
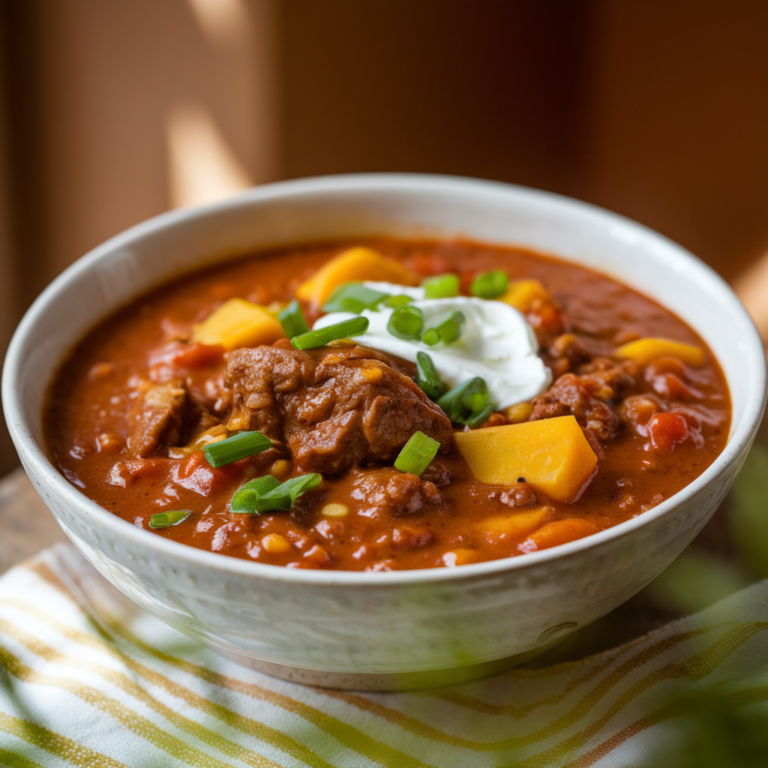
111, 112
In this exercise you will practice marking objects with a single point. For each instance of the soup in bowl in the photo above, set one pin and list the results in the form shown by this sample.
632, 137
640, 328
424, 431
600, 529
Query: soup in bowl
410, 426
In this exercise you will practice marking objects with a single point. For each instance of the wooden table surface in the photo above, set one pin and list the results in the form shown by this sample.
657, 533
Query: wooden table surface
26, 524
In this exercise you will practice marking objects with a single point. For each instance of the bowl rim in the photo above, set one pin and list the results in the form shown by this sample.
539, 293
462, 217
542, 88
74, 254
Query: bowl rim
32, 454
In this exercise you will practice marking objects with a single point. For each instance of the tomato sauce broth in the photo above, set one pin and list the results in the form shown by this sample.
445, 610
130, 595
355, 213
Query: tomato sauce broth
87, 423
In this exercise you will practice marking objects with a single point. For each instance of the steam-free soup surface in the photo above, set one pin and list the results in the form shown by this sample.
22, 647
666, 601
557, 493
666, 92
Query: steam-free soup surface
139, 398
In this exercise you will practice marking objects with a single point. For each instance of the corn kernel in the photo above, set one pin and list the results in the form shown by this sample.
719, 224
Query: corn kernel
281, 468
518, 413
335, 510
372, 375
275, 544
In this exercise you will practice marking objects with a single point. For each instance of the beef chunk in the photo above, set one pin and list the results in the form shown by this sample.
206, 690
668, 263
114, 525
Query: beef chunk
334, 409
519, 495
158, 417
569, 395
607, 380
391, 492
437, 474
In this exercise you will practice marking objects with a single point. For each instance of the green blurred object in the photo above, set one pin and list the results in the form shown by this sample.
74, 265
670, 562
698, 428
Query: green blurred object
696, 580
749, 516
711, 729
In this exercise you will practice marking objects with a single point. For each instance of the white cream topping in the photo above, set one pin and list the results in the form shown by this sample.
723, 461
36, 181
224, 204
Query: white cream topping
498, 344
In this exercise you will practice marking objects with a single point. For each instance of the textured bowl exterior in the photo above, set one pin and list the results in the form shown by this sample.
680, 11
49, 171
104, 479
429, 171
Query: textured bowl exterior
396, 623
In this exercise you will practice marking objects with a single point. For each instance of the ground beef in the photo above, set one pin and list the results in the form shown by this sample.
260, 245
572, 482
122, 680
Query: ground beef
607, 380
391, 492
519, 495
437, 474
570, 395
159, 417
333, 409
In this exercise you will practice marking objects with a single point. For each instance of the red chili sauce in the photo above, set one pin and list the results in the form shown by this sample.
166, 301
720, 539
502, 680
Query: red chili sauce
125, 414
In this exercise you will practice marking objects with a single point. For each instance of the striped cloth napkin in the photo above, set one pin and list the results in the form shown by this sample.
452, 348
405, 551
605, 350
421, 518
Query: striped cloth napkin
88, 679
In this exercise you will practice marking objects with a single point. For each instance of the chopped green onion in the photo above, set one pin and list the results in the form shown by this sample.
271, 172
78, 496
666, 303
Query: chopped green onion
353, 297
285, 495
441, 287
239, 446
447, 329
427, 378
406, 323
246, 496
267, 494
468, 403
292, 320
398, 301
167, 519
417, 454
489, 285
355, 326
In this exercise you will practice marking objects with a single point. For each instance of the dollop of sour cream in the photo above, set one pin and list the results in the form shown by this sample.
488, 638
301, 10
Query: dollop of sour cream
498, 344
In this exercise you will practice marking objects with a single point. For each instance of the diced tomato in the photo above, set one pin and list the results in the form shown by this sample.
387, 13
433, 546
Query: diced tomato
670, 385
667, 430
640, 409
546, 318
671, 378
187, 356
428, 264
191, 464
197, 475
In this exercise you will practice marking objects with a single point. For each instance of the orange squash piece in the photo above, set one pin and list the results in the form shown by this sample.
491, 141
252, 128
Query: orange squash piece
560, 532
356, 264
551, 454
513, 525
238, 323
522, 293
645, 350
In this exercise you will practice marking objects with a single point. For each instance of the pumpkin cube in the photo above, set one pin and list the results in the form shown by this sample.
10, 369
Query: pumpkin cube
645, 350
513, 525
522, 293
553, 455
238, 323
559, 532
355, 265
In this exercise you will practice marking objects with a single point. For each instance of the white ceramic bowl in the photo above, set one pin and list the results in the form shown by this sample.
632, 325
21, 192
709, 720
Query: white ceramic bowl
392, 629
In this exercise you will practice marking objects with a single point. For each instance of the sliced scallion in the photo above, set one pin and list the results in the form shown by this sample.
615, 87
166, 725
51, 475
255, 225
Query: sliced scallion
354, 298
268, 494
446, 329
490, 285
417, 454
284, 496
441, 287
427, 378
245, 498
292, 320
468, 403
167, 519
238, 446
406, 323
398, 301
355, 326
